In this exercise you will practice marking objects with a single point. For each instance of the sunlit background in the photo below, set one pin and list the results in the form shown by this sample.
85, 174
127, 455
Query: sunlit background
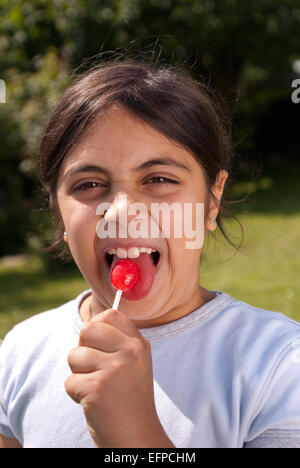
248, 50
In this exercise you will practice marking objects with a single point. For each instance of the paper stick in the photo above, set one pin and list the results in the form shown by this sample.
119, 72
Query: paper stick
117, 299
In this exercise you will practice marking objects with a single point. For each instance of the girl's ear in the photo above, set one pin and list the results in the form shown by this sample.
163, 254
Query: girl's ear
217, 190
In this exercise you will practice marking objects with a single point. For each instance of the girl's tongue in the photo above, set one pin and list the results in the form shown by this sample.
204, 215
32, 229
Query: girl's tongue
144, 284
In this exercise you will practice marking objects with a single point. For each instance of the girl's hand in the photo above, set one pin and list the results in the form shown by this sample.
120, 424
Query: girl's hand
113, 381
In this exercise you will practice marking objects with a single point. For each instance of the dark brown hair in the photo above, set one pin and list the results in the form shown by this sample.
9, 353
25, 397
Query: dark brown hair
165, 96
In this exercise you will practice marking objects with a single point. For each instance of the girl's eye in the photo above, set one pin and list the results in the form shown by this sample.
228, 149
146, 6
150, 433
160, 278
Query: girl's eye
90, 185
161, 180
87, 185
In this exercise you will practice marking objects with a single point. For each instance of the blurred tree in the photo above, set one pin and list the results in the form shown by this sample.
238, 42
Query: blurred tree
13, 222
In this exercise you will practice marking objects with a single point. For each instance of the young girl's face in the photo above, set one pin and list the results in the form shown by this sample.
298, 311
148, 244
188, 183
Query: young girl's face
121, 158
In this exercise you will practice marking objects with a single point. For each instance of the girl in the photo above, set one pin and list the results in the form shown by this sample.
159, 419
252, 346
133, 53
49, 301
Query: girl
176, 365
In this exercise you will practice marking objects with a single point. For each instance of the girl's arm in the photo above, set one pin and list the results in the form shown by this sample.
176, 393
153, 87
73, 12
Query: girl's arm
6, 442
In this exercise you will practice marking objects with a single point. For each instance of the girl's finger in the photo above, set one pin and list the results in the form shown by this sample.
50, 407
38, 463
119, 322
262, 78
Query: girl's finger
83, 360
119, 321
101, 336
79, 386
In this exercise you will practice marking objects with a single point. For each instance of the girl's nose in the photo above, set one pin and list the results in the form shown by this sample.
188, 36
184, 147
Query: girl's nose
118, 212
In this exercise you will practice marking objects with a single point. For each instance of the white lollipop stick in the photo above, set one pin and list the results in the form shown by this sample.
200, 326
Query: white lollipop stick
117, 299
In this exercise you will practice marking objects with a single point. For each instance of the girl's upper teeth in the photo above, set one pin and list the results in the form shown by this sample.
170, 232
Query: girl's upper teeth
132, 252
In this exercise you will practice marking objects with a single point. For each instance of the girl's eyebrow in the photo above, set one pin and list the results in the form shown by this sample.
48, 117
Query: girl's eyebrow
145, 165
164, 162
86, 168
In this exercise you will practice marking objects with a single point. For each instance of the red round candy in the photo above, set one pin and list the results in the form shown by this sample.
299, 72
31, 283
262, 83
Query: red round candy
124, 275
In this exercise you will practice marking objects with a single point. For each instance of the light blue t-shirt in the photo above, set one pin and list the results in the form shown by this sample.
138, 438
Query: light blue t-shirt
225, 375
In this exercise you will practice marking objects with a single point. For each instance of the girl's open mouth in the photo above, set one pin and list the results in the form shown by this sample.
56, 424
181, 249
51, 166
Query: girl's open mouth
148, 261
154, 256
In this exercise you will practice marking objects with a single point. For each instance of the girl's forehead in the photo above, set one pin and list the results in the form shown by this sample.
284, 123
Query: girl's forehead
118, 137
126, 126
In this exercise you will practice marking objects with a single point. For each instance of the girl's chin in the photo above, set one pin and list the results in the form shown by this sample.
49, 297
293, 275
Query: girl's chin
133, 313
139, 309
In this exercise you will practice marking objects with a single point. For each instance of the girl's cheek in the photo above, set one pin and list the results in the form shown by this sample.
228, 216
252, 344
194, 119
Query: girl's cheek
80, 223
77, 217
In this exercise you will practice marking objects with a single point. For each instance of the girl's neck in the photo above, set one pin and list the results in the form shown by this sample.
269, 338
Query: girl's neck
91, 306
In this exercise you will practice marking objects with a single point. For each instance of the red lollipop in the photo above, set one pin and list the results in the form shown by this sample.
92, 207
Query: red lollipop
124, 275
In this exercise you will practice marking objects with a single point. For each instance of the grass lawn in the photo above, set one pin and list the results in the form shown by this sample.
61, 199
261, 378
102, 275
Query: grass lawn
27, 290
265, 273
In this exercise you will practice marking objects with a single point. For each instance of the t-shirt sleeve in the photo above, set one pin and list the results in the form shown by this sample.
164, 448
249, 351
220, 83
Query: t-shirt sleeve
276, 439
276, 421
5, 428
